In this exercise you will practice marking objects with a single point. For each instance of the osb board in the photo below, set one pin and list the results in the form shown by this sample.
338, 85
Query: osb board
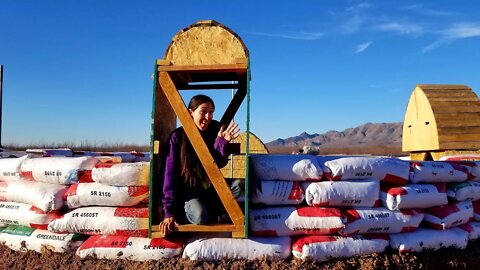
236, 169
206, 43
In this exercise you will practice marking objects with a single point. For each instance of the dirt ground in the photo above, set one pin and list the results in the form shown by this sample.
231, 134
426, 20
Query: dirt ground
443, 259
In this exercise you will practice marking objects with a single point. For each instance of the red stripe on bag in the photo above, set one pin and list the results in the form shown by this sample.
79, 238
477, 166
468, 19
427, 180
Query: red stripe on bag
309, 211
27, 176
101, 241
408, 229
297, 191
36, 210
131, 212
312, 239
397, 191
135, 191
71, 191
39, 226
442, 211
164, 243
441, 187
434, 225
136, 233
105, 164
394, 179
351, 215
85, 176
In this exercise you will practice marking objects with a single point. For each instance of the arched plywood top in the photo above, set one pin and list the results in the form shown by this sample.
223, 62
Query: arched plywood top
206, 43
441, 117
256, 146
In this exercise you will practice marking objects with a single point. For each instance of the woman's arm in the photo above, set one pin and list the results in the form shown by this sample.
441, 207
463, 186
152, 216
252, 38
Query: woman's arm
171, 178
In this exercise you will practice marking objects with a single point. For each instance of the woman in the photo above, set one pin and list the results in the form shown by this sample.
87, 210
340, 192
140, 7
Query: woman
188, 194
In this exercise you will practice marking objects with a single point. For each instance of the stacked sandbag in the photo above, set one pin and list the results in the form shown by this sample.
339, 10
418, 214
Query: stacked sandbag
444, 191
214, 249
21, 238
347, 183
113, 247
111, 204
352, 185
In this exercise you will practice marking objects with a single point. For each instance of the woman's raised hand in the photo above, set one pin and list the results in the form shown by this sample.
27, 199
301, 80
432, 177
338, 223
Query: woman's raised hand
230, 133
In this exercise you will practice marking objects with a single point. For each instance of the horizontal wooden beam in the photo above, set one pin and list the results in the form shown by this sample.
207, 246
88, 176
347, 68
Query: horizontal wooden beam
207, 86
242, 67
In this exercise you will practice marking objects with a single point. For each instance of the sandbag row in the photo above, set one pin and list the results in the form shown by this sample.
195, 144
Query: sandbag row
385, 169
71, 170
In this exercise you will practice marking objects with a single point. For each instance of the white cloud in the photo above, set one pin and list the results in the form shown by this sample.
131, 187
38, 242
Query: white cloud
401, 28
300, 35
455, 32
420, 9
462, 30
362, 47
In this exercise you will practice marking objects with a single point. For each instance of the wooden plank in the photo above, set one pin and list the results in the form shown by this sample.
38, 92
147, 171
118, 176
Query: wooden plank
237, 231
234, 104
455, 109
454, 122
466, 116
454, 103
455, 145
455, 99
163, 62
208, 86
218, 68
442, 86
468, 130
453, 94
192, 132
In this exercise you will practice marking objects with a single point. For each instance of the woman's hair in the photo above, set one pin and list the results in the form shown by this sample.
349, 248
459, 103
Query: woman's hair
188, 158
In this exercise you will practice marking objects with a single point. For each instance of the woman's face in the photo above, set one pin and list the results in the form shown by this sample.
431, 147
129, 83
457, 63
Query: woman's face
202, 115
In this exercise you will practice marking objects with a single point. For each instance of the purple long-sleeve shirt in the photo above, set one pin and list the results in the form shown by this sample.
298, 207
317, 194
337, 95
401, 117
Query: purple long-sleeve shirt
174, 187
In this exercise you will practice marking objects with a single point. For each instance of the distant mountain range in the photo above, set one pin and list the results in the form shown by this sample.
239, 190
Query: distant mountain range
367, 136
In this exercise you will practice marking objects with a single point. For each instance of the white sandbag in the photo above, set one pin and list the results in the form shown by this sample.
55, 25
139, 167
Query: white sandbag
58, 170
343, 193
278, 192
390, 170
476, 210
470, 157
289, 220
42, 195
127, 157
10, 168
472, 166
462, 191
449, 215
472, 228
20, 238
214, 249
437, 171
103, 220
122, 174
286, 167
141, 156
425, 239
325, 247
112, 247
13, 213
60, 152
413, 196
380, 220
89, 194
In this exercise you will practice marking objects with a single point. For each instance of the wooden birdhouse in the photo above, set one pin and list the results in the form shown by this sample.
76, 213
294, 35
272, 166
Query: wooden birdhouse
440, 118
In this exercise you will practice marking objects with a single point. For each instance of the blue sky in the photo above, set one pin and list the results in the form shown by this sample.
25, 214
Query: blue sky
80, 71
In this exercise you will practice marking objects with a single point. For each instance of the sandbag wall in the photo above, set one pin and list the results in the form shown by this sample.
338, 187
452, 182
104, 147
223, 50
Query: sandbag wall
88, 203
360, 205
